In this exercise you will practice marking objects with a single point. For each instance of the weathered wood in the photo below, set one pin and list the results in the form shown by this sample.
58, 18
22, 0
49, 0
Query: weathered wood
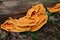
13, 7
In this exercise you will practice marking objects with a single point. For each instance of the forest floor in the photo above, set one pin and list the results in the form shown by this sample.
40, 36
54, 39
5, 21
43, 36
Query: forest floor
50, 31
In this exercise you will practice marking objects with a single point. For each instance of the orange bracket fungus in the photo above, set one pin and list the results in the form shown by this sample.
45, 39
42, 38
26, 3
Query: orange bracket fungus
56, 8
35, 18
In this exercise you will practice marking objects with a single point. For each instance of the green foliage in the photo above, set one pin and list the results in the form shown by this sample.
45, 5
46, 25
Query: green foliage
52, 21
3, 35
26, 33
33, 35
48, 13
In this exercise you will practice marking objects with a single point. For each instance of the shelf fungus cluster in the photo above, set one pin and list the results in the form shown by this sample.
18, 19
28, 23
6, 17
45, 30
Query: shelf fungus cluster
54, 9
35, 18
